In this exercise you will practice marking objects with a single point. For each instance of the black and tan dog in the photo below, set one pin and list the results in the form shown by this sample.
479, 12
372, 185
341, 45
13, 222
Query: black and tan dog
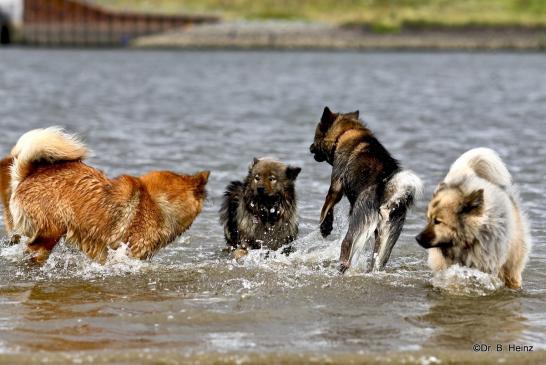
261, 211
379, 191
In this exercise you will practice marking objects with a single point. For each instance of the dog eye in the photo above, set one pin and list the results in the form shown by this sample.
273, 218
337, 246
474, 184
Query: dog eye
257, 178
272, 179
437, 221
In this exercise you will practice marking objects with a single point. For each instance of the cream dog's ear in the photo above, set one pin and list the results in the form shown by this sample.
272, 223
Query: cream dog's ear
473, 202
439, 188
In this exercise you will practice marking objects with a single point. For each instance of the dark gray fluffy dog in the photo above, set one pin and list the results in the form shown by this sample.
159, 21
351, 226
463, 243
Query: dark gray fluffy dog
261, 211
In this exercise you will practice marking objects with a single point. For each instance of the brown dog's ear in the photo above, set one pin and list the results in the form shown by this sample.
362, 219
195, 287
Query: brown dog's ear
353, 115
327, 119
202, 177
292, 172
200, 180
473, 202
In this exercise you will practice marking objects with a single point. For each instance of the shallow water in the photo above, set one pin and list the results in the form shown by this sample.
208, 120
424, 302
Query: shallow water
188, 111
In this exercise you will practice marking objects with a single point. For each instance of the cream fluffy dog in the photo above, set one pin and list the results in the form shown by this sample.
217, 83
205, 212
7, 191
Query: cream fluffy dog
475, 219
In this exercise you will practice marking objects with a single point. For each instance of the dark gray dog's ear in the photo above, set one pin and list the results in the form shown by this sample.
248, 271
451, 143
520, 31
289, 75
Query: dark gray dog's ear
292, 172
353, 115
327, 119
473, 202
253, 163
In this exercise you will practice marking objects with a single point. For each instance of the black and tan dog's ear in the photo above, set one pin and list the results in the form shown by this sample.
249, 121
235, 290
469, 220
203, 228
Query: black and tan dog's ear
473, 202
292, 172
353, 115
327, 119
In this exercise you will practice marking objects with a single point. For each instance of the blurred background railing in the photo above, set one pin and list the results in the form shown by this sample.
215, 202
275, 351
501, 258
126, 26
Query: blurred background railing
81, 23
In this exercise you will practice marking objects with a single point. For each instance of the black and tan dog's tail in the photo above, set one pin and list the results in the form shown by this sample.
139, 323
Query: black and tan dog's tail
228, 212
401, 193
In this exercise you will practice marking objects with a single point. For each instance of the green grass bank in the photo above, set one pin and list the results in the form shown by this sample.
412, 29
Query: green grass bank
377, 15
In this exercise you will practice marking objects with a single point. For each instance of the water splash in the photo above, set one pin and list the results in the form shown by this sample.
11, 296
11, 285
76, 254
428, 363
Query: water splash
317, 256
72, 262
459, 280
314, 257
68, 261
13, 253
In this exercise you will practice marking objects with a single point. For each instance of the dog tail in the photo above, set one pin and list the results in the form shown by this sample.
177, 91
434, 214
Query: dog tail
401, 193
485, 163
405, 188
49, 145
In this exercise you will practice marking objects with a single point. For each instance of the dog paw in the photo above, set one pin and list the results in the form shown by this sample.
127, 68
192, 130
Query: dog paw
14, 240
344, 266
239, 253
287, 250
327, 225
36, 257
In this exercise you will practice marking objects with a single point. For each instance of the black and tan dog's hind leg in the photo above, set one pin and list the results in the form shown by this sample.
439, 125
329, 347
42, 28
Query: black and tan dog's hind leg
400, 194
363, 223
391, 222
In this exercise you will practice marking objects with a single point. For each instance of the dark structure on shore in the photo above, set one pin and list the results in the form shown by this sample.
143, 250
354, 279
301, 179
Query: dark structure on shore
82, 23
5, 29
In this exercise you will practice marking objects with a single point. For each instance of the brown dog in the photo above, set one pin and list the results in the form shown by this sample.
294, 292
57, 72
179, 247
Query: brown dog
55, 194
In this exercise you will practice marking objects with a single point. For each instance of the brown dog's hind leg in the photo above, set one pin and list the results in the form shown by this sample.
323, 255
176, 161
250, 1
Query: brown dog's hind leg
14, 240
40, 248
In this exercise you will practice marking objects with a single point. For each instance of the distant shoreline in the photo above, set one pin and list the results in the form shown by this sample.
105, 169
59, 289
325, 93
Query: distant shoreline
317, 36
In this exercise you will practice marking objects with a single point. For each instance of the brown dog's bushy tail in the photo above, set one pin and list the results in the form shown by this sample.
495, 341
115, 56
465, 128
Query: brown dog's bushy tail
48, 145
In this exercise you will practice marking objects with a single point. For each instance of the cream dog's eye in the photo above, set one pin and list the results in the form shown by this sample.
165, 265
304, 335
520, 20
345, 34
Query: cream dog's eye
437, 221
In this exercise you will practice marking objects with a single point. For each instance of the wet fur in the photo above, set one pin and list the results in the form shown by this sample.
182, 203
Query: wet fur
475, 219
5, 191
379, 191
269, 219
54, 194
